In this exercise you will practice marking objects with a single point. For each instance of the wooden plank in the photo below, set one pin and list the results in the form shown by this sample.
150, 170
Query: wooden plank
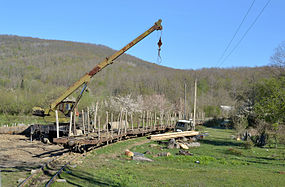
167, 136
60, 140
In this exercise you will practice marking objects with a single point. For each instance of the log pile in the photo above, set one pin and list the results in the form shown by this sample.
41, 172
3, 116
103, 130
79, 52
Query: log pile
167, 136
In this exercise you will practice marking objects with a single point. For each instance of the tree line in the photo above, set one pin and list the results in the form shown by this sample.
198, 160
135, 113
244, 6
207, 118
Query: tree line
34, 72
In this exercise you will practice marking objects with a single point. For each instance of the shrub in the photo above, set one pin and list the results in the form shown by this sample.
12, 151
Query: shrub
247, 144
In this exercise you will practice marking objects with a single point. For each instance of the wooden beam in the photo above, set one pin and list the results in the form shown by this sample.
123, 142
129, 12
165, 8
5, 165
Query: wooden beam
167, 136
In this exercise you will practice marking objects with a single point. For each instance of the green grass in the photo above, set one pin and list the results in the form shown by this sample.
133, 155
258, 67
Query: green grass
10, 176
11, 120
223, 162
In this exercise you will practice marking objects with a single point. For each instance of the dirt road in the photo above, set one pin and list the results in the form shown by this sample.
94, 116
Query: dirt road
18, 152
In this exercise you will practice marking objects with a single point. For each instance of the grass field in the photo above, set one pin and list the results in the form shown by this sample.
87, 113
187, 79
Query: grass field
12, 120
223, 162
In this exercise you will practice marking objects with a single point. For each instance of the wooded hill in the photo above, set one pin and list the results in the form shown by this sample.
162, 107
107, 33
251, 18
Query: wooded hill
36, 71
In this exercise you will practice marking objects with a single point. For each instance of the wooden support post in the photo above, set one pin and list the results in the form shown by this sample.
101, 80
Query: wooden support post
83, 121
99, 129
57, 124
154, 120
132, 121
70, 124
120, 122
143, 120
151, 122
160, 119
174, 118
74, 123
168, 119
88, 120
111, 125
107, 121
195, 103
95, 116
31, 135
107, 129
147, 120
140, 120
126, 121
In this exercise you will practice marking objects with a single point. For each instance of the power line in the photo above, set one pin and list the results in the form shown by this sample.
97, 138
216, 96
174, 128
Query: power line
255, 20
222, 56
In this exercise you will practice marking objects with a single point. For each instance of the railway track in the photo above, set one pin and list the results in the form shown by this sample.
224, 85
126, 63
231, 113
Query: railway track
48, 173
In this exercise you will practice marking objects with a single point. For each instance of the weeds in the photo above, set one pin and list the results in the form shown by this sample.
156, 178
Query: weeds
234, 151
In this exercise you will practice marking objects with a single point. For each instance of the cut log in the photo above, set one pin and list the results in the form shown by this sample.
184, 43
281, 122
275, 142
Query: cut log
164, 154
141, 158
168, 136
183, 146
129, 153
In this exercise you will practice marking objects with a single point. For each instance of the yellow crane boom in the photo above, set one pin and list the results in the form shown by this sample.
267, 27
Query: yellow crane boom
84, 80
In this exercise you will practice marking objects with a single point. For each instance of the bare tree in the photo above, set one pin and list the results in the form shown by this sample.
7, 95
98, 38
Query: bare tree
278, 60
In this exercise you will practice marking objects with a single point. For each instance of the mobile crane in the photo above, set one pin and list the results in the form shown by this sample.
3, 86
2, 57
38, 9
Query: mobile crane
65, 106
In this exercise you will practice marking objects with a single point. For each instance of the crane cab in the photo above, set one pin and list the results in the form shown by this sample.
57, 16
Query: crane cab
66, 106
64, 109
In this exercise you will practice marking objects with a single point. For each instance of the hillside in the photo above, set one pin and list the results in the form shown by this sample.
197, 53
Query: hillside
36, 71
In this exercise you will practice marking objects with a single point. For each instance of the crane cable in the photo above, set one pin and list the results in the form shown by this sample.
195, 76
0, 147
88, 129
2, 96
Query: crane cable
222, 56
255, 20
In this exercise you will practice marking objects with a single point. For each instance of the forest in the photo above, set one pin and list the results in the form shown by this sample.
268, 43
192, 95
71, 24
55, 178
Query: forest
34, 72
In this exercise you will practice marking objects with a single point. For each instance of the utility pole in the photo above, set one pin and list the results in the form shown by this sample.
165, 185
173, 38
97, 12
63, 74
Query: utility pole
185, 100
195, 98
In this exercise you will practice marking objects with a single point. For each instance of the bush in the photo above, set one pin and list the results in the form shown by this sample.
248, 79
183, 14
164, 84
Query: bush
219, 122
247, 144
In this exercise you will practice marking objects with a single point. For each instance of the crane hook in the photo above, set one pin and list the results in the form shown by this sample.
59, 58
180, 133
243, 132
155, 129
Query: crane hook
159, 43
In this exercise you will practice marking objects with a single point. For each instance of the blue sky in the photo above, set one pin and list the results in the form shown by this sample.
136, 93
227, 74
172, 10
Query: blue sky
195, 32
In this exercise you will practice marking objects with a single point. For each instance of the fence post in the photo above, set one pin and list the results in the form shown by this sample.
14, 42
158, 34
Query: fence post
151, 123
74, 120
119, 126
111, 125
132, 121
57, 124
126, 121
88, 120
143, 120
154, 120
95, 116
99, 127
83, 121
107, 129
147, 120
70, 124
107, 121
